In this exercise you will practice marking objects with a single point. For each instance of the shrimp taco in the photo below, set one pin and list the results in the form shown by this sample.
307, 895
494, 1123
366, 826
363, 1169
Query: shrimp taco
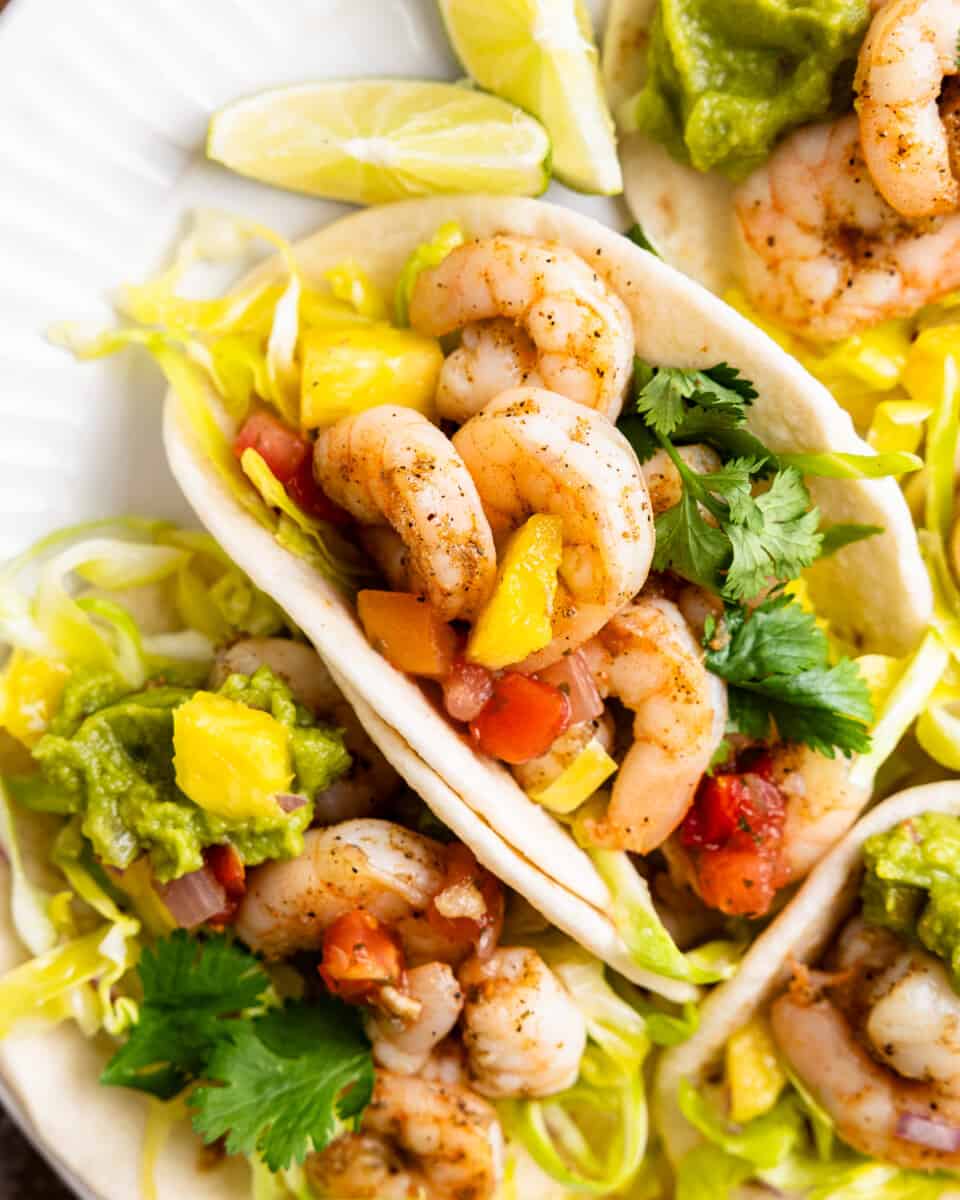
560, 552
799, 157
828, 1065
223, 908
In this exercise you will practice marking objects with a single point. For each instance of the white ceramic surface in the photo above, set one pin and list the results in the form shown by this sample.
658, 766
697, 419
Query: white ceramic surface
103, 108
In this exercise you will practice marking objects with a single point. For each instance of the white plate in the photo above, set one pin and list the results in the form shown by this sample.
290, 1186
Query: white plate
103, 108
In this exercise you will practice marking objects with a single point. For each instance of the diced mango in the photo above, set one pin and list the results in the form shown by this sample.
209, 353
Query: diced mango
407, 632
923, 375
517, 619
348, 370
578, 782
30, 692
230, 759
755, 1077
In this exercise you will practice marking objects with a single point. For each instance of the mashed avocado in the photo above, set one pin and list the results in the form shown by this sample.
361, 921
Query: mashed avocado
912, 884
726, 79
109, 758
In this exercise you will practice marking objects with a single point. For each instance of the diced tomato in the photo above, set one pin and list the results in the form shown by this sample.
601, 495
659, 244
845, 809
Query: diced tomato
522, 719
734, 833
304, 490
466, 689
228, 868
283, 449
408, 633
360, 956
738, 880
467, 885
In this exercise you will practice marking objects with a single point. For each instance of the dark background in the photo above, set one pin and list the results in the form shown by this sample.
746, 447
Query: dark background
23, 1175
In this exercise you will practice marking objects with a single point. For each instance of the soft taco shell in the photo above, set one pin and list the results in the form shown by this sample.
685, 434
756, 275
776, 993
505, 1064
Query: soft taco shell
800, 934
876, 593
686, 214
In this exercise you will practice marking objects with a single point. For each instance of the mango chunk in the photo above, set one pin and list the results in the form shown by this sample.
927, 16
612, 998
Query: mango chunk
30, 692
755, 1077
229, 759
517, 619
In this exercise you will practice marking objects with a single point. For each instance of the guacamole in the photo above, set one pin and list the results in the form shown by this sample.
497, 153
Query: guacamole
109, 758
725, 80
912, 884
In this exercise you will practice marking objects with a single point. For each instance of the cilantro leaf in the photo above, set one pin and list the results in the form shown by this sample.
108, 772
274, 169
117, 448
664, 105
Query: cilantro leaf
660, 394
724, 431
689, 546
835, 537
776, 663
287, 1082
773, 535
190, 990
634, 429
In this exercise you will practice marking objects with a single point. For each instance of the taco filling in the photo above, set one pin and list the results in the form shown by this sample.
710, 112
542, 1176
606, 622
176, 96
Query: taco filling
214, 867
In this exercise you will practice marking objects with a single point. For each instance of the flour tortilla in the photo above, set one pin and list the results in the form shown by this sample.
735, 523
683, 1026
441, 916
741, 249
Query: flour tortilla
799, 934
879, 596
686, 214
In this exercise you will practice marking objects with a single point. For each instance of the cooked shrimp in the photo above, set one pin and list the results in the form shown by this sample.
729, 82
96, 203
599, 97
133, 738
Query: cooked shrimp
492, 356
390, 871
390, 466
881, 1110
418, 1140
821, 803
371, 779
663, 479
883, 988
539, 773
532, 451
522, 1032
910, 47
580, 329
405, 1046
648, 658
823, 251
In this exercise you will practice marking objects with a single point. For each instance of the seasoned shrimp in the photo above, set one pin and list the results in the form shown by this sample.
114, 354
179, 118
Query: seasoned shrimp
532, 451
648, 658
821, 803
663, 479
378, 866
418, 1139
390, 466
405, 1046
371, 780
888, 1080
492, 356
823, 251
579, 328
910, 47
522, 1032
538, 773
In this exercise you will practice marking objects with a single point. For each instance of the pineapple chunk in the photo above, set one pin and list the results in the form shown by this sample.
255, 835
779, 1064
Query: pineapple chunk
350, 369
755, 1077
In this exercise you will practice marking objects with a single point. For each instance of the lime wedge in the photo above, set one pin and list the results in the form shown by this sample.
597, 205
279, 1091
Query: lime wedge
541, 55
370, 141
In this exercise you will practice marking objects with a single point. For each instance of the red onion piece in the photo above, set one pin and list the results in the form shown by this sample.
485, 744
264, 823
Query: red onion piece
194, 898
573, 676
927, 1131
466, 690
290, 801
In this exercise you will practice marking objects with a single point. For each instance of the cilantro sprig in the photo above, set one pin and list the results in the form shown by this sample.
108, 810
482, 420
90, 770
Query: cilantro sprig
279, 1081
726, 534
776, 662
